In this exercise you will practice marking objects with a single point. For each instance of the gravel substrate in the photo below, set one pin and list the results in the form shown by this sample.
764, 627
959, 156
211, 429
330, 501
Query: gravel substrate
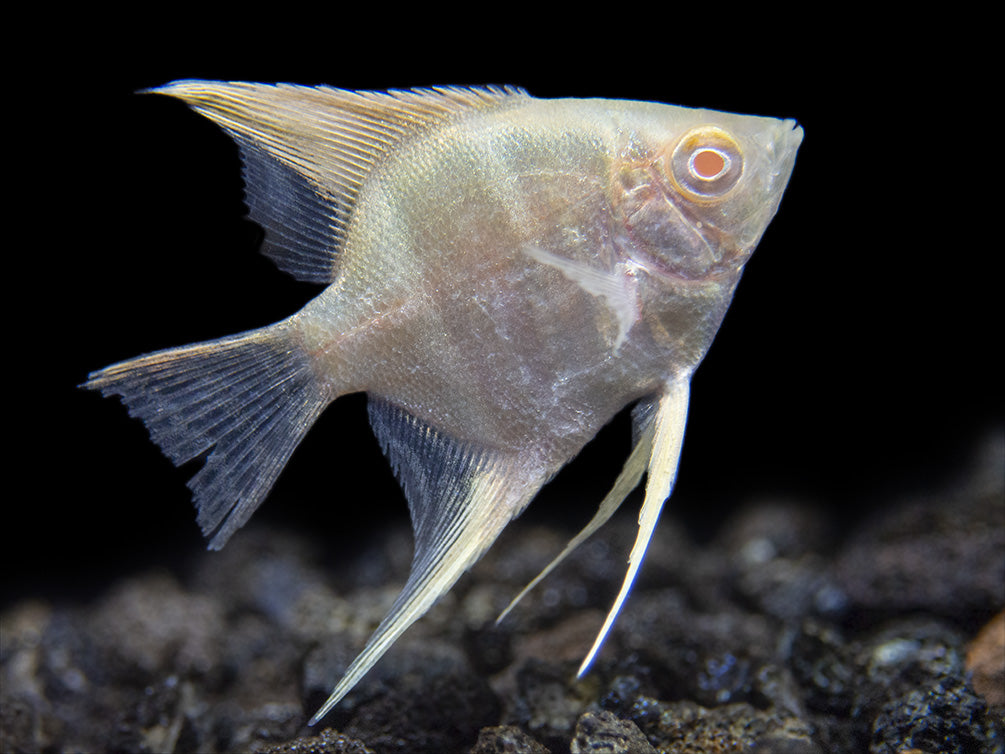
783, 633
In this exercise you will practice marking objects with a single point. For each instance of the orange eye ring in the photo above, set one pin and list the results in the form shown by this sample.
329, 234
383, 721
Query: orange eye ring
706, 163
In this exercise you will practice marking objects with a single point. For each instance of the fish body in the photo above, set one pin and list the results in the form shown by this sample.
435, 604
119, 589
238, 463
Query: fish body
504, 274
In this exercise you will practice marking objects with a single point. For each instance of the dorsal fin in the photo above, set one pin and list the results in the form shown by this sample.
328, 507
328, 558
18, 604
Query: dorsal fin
307, 150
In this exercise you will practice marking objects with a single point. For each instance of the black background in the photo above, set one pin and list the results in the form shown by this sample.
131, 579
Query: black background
860, 358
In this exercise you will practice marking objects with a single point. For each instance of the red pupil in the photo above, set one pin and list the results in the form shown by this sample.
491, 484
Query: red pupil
708, 163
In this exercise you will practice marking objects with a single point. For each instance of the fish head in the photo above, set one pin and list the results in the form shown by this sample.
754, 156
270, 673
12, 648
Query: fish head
696, 190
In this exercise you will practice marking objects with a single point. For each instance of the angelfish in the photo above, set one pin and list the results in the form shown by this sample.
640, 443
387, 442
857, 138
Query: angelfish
503, 275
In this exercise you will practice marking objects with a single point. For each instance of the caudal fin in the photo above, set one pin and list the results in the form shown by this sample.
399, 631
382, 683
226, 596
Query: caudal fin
244, 402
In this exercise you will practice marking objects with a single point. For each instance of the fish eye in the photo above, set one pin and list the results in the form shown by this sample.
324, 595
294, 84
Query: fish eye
706, 163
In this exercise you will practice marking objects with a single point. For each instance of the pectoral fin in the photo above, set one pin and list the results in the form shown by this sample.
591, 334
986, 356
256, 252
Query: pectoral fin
668, 435
627, 481
615, 289
460, 498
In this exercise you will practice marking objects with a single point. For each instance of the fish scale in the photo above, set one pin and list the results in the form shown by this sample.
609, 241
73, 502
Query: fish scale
504, 274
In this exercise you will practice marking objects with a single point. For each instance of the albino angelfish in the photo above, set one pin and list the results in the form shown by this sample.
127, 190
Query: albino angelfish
503, 275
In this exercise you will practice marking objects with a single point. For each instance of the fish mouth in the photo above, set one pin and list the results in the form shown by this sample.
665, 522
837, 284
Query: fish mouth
784, 147
781, 145
792, 136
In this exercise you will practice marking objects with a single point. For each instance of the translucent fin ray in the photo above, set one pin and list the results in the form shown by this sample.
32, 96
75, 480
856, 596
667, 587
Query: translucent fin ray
247, 400
460, 498
307, 150
668, 436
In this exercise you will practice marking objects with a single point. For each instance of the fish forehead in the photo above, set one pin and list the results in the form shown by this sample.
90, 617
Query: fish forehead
655, 119
531, 132
625, 129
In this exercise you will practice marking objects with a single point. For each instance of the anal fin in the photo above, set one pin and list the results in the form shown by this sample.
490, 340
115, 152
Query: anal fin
460, 498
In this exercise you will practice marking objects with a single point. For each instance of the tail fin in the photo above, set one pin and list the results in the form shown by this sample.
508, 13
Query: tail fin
247, 400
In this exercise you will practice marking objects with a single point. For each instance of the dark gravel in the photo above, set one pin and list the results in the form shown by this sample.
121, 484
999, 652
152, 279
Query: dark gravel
783, 633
